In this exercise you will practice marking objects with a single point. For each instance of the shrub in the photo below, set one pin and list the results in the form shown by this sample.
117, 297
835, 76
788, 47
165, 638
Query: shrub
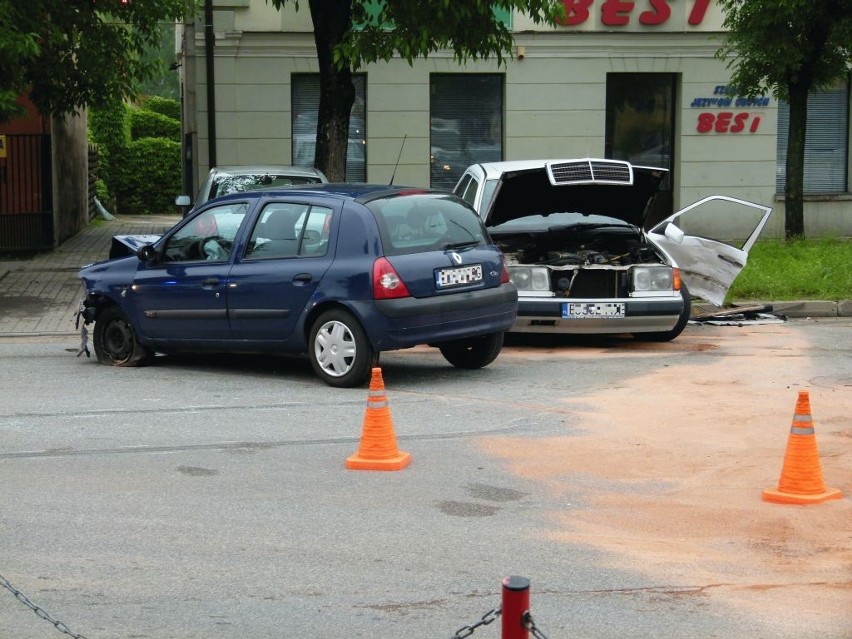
150, 176
163, 106
139, 155
109, 131
150, 124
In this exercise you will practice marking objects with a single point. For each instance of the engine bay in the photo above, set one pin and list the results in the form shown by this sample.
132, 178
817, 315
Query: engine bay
607, 248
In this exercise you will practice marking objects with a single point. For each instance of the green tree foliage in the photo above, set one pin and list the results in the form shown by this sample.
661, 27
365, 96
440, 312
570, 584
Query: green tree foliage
349, 34
788, 48
72, 53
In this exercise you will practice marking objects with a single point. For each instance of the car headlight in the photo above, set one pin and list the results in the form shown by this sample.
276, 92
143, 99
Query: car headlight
529, 278
652, 278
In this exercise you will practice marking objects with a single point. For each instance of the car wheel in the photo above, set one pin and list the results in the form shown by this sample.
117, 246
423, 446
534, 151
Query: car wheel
667, 336
472, 352
340, 352
115, 340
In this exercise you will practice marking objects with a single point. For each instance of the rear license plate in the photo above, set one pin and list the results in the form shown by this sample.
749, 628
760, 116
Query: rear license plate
605, 310
458, 276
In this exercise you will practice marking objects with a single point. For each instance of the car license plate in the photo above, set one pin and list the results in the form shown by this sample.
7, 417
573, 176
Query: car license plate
605, 310
458, 276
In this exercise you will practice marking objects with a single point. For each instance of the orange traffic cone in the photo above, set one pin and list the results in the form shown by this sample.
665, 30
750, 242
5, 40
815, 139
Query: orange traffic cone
378, 450
801, 476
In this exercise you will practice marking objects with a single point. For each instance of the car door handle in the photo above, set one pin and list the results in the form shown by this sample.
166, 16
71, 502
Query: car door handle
302, 278
210, 282
727, 259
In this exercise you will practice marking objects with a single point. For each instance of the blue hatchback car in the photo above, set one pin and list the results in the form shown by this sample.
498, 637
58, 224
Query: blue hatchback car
338, 271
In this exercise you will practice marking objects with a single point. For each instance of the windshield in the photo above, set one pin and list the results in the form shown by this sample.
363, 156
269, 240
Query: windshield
411, 223
557, 222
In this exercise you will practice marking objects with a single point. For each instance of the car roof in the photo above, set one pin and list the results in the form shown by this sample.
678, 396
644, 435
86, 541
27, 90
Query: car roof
343, 190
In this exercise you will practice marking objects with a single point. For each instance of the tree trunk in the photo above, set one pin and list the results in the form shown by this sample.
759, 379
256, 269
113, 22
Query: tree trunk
331, 20
794, 190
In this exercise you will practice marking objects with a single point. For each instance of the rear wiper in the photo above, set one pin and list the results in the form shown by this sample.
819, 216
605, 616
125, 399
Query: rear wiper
460, 245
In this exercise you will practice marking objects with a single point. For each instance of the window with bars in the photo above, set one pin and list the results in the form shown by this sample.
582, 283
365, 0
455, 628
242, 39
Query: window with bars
465, 123
826, 142
305, 94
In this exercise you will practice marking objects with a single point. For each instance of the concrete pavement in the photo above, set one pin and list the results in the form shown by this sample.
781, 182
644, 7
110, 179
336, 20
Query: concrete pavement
39, 295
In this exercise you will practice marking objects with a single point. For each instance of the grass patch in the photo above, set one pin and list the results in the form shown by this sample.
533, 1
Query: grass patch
801, 269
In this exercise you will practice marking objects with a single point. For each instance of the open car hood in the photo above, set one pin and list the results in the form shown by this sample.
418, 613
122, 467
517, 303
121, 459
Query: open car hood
593, 187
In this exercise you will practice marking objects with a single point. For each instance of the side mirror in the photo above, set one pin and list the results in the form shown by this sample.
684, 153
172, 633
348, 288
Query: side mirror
674, 233
183, 200
147, 253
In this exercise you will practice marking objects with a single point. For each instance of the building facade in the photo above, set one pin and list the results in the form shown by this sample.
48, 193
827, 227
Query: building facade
636, 80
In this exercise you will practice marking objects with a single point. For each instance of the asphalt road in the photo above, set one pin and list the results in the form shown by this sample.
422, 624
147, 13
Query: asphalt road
208, 497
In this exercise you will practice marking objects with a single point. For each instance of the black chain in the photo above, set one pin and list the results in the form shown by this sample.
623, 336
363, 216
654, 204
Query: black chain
61, 627
487, 618
530, 625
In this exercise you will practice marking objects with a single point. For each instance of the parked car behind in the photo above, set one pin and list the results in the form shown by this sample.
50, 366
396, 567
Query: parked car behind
572, 232
341, 272
222, 180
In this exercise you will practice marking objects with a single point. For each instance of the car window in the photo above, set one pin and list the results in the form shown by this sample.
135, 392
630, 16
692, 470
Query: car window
414, 223
469, 192
488, 194
288, 230
314, 234
207, 236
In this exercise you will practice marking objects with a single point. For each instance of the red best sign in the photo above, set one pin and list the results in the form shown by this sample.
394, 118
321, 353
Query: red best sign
617, 13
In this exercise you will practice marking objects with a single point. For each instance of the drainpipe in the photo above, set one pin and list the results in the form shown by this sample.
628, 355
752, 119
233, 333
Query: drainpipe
211, 83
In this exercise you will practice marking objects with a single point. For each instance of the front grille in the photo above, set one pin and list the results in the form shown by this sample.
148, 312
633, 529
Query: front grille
568, 172
612, 172
590, 172
590, 283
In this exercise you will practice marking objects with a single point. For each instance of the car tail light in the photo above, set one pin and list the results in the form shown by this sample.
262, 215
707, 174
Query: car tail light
387, 284
504, 272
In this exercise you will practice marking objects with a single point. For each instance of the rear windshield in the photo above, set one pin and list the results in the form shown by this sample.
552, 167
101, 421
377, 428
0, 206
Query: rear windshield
412, 223
226, 184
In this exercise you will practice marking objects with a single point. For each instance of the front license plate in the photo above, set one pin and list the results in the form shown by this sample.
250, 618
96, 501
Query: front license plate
458, 276
605, 310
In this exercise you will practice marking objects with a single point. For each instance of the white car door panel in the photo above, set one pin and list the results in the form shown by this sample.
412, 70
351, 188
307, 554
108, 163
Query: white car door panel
710, 264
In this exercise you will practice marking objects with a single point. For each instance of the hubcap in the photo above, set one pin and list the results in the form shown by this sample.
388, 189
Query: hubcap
334, 348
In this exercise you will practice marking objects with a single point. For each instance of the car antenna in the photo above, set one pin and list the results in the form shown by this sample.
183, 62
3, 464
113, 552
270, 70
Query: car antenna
398, 157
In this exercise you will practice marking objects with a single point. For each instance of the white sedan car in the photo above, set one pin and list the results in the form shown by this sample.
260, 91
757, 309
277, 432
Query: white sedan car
572, 232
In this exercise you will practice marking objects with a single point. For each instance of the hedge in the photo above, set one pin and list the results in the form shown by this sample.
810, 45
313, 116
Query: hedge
150, 177
150, 124
139, 152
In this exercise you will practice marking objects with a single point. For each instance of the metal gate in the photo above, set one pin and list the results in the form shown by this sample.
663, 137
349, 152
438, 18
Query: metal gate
26, 202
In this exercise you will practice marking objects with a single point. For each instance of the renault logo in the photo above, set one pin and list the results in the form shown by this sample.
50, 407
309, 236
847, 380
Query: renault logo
456, 258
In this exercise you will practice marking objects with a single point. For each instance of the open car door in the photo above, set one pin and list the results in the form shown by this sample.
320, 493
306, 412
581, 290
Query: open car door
708, 263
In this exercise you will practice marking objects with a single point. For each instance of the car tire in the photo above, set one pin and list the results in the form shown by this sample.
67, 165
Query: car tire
472, 352
340, 352
115, 340
667, 336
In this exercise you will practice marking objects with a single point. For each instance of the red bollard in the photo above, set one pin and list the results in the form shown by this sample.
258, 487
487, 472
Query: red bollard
516, 604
